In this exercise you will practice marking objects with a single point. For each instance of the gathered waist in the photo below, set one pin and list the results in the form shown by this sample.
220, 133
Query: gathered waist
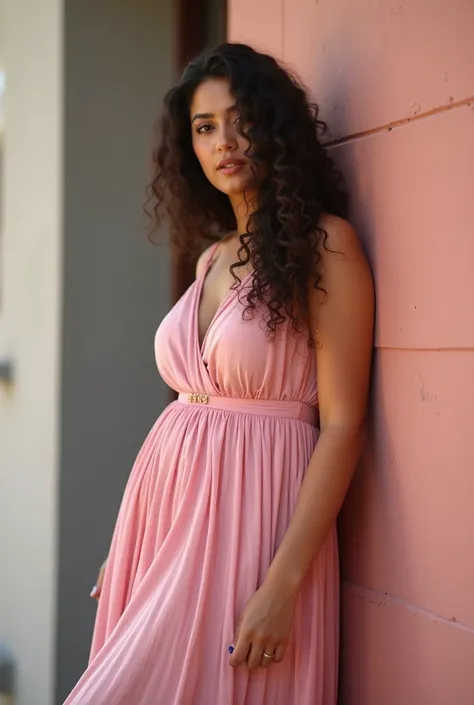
261, 407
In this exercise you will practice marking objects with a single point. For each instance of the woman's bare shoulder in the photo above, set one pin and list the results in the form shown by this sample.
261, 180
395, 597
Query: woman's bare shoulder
341, 234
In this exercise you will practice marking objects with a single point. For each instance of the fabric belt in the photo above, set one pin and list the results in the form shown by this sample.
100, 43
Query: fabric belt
260, 407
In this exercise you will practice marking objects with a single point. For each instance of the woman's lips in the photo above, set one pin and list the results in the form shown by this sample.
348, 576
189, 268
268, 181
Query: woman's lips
229, 168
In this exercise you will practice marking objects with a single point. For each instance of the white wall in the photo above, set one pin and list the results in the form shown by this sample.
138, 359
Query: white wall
29, 331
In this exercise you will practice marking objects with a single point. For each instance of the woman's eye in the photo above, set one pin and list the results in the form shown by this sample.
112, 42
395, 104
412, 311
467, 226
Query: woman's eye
204, 128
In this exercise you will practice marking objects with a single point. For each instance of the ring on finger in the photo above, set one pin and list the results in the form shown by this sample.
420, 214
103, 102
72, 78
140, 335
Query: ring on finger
269, 656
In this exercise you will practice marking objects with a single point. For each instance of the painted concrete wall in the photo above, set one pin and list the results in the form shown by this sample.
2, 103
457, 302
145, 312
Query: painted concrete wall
117, 65
395, 82
30, 312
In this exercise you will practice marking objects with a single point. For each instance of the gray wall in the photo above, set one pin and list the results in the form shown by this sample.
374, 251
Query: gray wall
116, 288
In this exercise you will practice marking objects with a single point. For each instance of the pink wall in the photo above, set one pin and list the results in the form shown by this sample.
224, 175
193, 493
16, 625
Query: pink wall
395, 81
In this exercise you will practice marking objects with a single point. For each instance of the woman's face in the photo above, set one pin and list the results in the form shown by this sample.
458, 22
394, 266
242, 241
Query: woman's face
217, 143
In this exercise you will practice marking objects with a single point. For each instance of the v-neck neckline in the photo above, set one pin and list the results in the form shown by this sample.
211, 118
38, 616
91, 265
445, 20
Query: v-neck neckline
230, 294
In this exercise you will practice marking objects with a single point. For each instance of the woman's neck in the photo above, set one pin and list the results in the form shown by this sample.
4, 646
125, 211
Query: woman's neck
243, 205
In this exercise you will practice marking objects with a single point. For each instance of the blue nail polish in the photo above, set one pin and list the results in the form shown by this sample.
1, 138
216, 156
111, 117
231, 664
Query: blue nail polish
231, 649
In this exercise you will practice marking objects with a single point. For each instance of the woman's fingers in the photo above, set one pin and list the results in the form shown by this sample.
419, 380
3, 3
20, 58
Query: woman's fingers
254, 658
279, 652
267, 656
255, 654
96, 590
241, 651
100, 579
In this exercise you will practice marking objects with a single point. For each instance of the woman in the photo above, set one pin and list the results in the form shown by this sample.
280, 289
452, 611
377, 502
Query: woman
221, 586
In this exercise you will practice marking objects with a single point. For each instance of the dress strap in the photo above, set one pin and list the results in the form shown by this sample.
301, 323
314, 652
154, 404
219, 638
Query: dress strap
212, 251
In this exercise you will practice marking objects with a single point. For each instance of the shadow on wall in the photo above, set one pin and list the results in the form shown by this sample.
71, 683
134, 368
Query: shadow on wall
374, 502
371, 522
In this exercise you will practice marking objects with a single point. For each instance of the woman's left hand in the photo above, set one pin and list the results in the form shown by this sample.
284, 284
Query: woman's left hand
264, 628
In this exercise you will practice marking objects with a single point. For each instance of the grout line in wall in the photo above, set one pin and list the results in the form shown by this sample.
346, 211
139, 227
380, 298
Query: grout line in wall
380, 598
403, 349
399, 123
282, 37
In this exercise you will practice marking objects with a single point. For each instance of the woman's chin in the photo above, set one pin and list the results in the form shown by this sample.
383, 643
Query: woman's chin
232, 186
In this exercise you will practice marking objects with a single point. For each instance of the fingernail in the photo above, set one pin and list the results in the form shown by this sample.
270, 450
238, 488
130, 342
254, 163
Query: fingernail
94, 591
231, 649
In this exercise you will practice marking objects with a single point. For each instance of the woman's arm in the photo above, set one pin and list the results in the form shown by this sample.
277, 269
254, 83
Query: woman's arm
343, 329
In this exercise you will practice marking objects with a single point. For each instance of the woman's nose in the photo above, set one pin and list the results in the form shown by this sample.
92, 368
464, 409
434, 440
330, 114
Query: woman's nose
226, 140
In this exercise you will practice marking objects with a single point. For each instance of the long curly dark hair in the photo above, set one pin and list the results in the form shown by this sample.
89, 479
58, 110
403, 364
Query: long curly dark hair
284, 237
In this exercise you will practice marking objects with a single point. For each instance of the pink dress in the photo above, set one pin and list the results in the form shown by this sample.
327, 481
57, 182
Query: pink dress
208, 501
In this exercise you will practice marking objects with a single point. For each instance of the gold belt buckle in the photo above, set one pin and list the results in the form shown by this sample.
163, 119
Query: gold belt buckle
198, 398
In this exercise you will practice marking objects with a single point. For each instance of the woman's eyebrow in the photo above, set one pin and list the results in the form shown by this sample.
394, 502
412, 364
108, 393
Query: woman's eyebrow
209, 116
